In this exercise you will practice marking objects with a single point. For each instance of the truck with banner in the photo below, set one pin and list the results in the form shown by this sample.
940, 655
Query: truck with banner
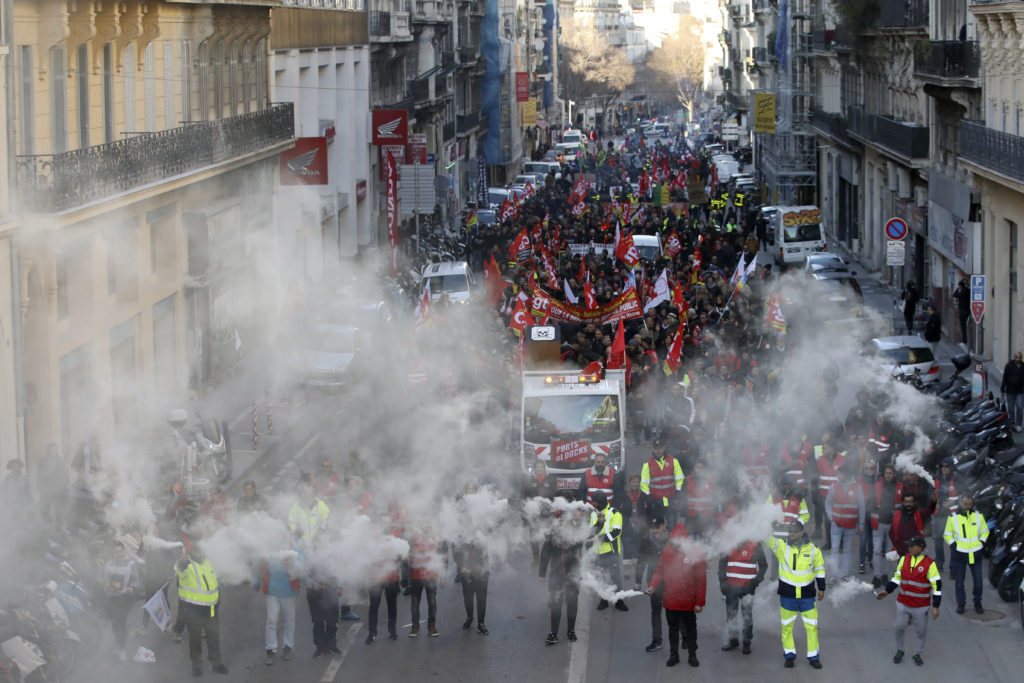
568, 415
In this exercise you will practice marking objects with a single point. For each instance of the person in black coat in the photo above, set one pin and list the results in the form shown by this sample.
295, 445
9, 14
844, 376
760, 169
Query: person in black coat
1012, 388
962, 297
559, 567
933, 327
649, 553
910, 299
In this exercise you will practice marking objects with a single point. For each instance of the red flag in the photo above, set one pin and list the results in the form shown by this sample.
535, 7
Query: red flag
625, 250
617, 359
675, 353
536, 236
588, 295
644, 183
520, 249
677, 299
423, 308
592, 369
528, 190
392, 206
584, 274
493, 284
672, 244
520, 318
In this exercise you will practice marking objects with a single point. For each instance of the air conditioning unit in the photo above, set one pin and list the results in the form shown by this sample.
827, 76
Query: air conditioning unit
891, 181
921, 196
903, 185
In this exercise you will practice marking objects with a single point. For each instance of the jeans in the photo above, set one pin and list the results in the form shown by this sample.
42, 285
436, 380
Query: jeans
475, 585
656, 614
201, 623
611, 564
559, 589
840, 560
740, 605
323, 610
418, 586
276, 607
866, 539
685, 622
1014, 406
881, 543
118, 607
390, 591
938, 527
958, 563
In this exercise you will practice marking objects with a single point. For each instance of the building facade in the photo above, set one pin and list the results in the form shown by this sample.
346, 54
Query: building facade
146, 171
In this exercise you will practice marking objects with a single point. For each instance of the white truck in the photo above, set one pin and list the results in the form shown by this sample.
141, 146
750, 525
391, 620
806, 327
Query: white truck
568, 416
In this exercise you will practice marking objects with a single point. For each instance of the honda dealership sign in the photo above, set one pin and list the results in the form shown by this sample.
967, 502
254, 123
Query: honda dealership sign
306, 163
390, 126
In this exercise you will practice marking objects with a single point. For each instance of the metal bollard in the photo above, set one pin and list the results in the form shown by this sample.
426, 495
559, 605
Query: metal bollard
270, 411
255, 427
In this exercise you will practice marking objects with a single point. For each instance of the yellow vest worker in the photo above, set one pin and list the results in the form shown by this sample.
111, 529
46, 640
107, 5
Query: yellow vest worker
801, 576
965, 533
608, 543
198, 590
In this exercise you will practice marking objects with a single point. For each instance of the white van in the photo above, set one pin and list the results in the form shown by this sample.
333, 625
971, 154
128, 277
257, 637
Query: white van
573, 136
543, 168
798, 234
648, 246
727, 167
453, 278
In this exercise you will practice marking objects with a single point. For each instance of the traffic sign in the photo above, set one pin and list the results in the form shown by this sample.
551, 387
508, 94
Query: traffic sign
895, 253
896, 229
977, 297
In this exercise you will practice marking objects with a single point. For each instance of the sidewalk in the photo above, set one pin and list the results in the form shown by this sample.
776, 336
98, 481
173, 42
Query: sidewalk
946, 348
247, 399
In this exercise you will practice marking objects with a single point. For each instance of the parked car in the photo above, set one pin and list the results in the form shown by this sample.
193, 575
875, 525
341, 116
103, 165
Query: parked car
325, 357
839, 285
906, 354
453, 278
824, 261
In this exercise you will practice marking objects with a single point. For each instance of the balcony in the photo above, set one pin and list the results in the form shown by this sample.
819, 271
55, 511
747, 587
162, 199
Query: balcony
468, 54
738, 101
449, 131
55, 182
992, 149
467, 123
904, 14
389, 27
947, 59
908, 140
831, 124
380, 24
430, 12
761, 56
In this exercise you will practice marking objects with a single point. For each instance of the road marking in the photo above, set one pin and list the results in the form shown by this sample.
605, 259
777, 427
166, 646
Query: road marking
335, 665
578, 658
302, 451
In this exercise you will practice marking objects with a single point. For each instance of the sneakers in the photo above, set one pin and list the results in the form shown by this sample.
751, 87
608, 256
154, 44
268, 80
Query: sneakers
392, 636
571, 636
551, 639
789, 662
898, 657
654, 646
621, 606
286, 654
467, 624
177, 639
978, 608
220, 668
731, 645
350, 616
482, 630
271, 658
317, 654
746, 647
672, 660
959, 609
861, 570
918, 660
370, 638
815, 664
414, 632
432, 630
334, 650
603, 604
692, 659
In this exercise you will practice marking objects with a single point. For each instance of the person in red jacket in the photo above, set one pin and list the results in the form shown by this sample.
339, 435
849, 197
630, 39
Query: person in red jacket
682, 570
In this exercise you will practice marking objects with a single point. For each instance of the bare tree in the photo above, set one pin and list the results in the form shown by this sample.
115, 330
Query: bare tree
595, 68
679, 63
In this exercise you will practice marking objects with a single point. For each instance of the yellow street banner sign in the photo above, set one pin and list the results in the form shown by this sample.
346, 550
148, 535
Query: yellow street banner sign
764, 112
530, 112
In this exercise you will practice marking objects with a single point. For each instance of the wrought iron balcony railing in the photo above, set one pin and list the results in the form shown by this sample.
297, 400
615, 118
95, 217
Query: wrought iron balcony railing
907, 139
899, 14
947, 58
467, 122
55, 182
380, 23
991, 148
831, 124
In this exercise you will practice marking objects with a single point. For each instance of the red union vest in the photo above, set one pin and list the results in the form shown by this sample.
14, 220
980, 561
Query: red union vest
699, 497
423, 560
790, 508
756, 465
951, 494
844, 505
828, 472
663, 479
879, 441
796, 465
878, 500
741, 568
596, 483
915, 587
918, 521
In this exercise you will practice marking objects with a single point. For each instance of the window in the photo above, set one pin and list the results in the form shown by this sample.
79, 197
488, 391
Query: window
63, 266
82, 85
25, 97
149, 78
129, 88
170, 121
59, 99
163, 248
204, 80
164, 348
108, 93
